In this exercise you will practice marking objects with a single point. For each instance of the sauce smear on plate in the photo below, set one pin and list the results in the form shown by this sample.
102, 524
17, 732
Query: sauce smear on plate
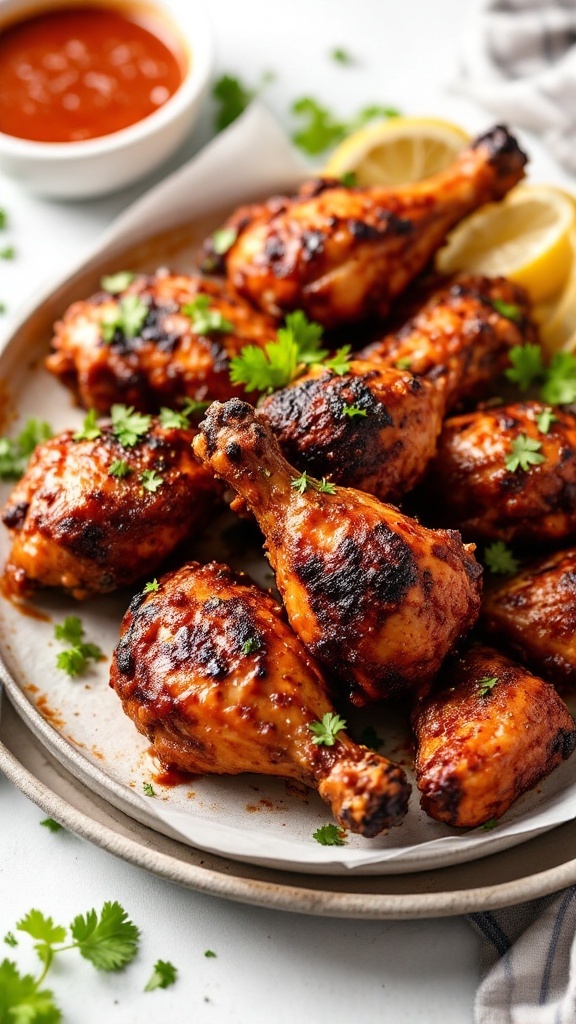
78, 73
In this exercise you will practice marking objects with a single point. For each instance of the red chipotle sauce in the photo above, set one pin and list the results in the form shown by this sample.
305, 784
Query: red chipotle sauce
77, 73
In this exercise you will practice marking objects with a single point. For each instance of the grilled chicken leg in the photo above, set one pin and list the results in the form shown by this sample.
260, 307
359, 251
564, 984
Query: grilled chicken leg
342, 253
209, 671
374, 595
491, 733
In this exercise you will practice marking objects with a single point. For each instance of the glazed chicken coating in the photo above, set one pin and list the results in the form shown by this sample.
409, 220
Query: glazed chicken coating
534, 613
168, 360
371, 593
76, 526
341, 254
481, 744
210, 672
459, 337
475, 492
373, 428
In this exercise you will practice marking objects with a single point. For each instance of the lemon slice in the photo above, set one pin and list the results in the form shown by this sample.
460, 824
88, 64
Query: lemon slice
397, 151
526, 238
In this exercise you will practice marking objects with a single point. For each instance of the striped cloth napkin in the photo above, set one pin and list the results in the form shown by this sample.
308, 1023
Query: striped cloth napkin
529, 953
518, 60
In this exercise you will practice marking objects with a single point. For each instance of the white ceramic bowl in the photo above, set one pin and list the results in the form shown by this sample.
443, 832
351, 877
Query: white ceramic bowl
74, 170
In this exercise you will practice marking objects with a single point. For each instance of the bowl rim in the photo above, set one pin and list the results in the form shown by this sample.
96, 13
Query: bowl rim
196, 29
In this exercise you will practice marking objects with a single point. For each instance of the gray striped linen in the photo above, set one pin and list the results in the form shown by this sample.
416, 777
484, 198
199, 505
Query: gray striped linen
519, 62
529, 953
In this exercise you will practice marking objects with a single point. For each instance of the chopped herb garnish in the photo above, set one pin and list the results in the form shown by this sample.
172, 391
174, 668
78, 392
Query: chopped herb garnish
341, 56
127, 318
232, 98
205, 320
3, 307
191, 407
353, 410
148, 789
10, 939
349, 179
151, 481
74, 660
527, 365
322, 130
209, 953
163, 975
524, 453
15, 452
3, 219
252, 644
403, 364
223, 239
89, 430
129, 426
499, 559
339, 362
7, 253
486, 685
559, 387
545, 419
324, 486
489, 825
51, 825
152, 586
370, 738
507, 309
303, 482
119, 468
297, 345
329, 835
116, 283
326, 731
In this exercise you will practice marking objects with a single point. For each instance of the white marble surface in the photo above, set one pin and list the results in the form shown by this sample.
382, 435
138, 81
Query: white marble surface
269, 965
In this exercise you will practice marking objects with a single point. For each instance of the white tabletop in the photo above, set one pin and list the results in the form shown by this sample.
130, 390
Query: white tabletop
269, 965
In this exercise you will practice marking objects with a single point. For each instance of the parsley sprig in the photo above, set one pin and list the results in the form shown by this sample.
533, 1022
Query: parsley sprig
326, 731
15, 451
557, 380
524, 453
498, 559
297, 346
75, 658
128, 425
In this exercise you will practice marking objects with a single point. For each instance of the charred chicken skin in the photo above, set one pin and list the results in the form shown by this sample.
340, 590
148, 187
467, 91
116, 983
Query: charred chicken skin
475, 490
76, 525
491, 733
373, 428
172, 356
370, 592
459, 338
342, 254
534, 613
210, 672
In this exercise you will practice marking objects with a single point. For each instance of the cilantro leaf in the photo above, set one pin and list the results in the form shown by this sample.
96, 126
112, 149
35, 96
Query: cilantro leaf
7, 253
15, 452
174, 419
559, 387
527, 365
489, 825
151, 481
339, 362
109, 941
232, 98
524, 453
545, 419
74, 660
321, 129
326, 731
129, 426
341, 56
152, 586
148, 789
209, 953
486, 685
507, 309
127, 318
499, 559
119, 468
303, 482
205, 320
116, 283
190, 406
89, 430
45, 931
297, 345
3, 219
51, 825
163, 975
252, 644
70, 631
21, 1001
351, 411
329, 835
10, 939
222, 240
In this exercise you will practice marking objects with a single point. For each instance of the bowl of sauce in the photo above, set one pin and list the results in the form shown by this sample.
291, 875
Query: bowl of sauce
97, 93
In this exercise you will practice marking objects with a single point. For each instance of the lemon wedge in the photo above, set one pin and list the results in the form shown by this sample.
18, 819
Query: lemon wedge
397, 151
526, 238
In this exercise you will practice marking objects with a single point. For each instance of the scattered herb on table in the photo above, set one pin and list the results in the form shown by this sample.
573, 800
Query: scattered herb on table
326, 731
321, 129
75, 658
116, 283
209, 953
329, 835
15, 452
498, 559
148, 789
10, 939
7, 253
51, 825
163, 975
341, 56
126, 318
3, 218
524, 453
232, 98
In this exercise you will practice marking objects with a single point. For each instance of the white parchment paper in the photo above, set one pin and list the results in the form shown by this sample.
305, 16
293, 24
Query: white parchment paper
264, 821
